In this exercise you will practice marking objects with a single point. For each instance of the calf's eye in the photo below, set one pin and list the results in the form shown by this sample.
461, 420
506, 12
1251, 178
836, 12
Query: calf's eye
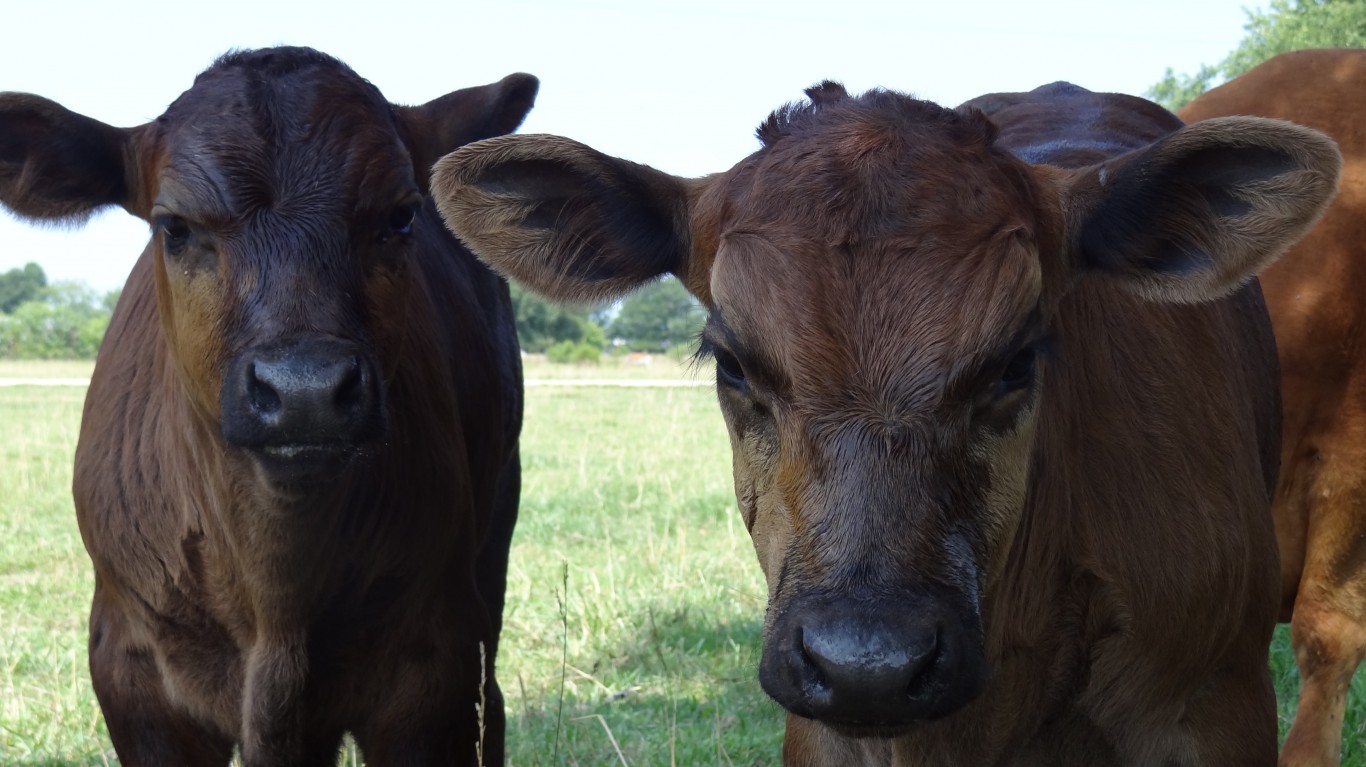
1019, 372
400, 223
175, 233
728, 369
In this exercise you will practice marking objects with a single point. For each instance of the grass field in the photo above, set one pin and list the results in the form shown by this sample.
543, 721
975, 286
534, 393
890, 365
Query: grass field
45, 368
633, 616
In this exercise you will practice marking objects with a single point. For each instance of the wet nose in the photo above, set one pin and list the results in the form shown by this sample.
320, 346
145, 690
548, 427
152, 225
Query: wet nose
307, 398
874, 665
310, 393
865, 671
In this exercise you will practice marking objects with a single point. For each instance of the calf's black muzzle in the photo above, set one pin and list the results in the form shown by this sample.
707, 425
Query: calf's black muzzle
875, 667
303, 408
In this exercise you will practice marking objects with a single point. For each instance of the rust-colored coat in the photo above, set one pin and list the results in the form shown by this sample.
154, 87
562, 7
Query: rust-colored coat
1002, 405
1316, 295
297, 474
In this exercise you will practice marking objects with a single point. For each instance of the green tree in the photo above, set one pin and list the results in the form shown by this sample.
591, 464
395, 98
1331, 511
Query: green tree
541, 324
111, 300
20, 285
66, 320
658, 316
1287, 25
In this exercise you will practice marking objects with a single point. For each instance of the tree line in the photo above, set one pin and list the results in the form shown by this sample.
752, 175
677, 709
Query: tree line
67, 320
660, 317
58, 320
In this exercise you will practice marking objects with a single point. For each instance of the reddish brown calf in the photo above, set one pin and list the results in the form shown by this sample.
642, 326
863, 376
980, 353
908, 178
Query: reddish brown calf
1002, 404
1317, 298
297, 473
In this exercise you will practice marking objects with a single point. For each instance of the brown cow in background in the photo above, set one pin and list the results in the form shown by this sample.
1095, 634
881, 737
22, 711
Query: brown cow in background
1317, 298
1004, 433
297, 473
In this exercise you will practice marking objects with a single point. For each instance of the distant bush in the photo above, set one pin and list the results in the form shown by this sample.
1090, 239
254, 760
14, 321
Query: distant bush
542, 324
66, 320
566, 352
586, 354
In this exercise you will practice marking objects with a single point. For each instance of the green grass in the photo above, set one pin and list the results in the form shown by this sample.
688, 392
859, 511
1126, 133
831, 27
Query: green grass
659, 366
628, 496
632, 580
48, 714
46, 368
634, 601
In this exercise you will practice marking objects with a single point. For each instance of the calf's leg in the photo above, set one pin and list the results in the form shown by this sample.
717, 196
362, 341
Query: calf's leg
433, 712
1328, 628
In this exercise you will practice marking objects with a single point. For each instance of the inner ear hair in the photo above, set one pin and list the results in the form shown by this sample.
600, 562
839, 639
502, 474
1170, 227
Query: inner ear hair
1194, 216
565, 220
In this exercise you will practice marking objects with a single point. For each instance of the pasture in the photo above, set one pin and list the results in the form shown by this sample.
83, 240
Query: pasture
631, 635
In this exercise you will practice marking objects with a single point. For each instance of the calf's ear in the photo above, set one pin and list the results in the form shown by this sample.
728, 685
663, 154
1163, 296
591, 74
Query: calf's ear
567, 221
1195, 215
460, 117
57, 165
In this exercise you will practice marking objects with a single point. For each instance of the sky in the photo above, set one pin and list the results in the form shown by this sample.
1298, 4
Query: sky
676, 84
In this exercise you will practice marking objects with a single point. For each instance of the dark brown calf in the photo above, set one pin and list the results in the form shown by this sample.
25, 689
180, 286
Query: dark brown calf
1002, 403
297, 473
1317, 298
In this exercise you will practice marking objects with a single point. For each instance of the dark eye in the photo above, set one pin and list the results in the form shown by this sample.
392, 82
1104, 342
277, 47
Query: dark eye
1019, 372
728, 370
175, 234
400, 223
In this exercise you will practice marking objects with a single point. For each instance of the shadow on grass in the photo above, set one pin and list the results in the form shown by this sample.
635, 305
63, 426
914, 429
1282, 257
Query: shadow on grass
682, 690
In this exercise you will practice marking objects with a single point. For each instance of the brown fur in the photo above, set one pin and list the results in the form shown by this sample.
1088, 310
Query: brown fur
275, 606
1011, 507
1315, 296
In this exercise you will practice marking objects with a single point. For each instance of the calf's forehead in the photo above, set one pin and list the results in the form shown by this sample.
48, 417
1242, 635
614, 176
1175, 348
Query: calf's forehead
883, 259
290, 131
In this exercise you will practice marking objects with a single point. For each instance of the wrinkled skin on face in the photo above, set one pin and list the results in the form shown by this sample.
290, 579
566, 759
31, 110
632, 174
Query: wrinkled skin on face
880, 423
276, 267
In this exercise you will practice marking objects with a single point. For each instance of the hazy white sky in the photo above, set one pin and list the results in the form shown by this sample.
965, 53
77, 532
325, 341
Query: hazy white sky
677, 84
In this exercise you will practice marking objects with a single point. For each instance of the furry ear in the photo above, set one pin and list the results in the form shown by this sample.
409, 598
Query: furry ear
1195, 215
56, 164
565, 220
461, 117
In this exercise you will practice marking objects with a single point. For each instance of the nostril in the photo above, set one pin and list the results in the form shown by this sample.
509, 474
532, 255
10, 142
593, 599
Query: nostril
263, 397
350, 389
314, 393
812, 658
